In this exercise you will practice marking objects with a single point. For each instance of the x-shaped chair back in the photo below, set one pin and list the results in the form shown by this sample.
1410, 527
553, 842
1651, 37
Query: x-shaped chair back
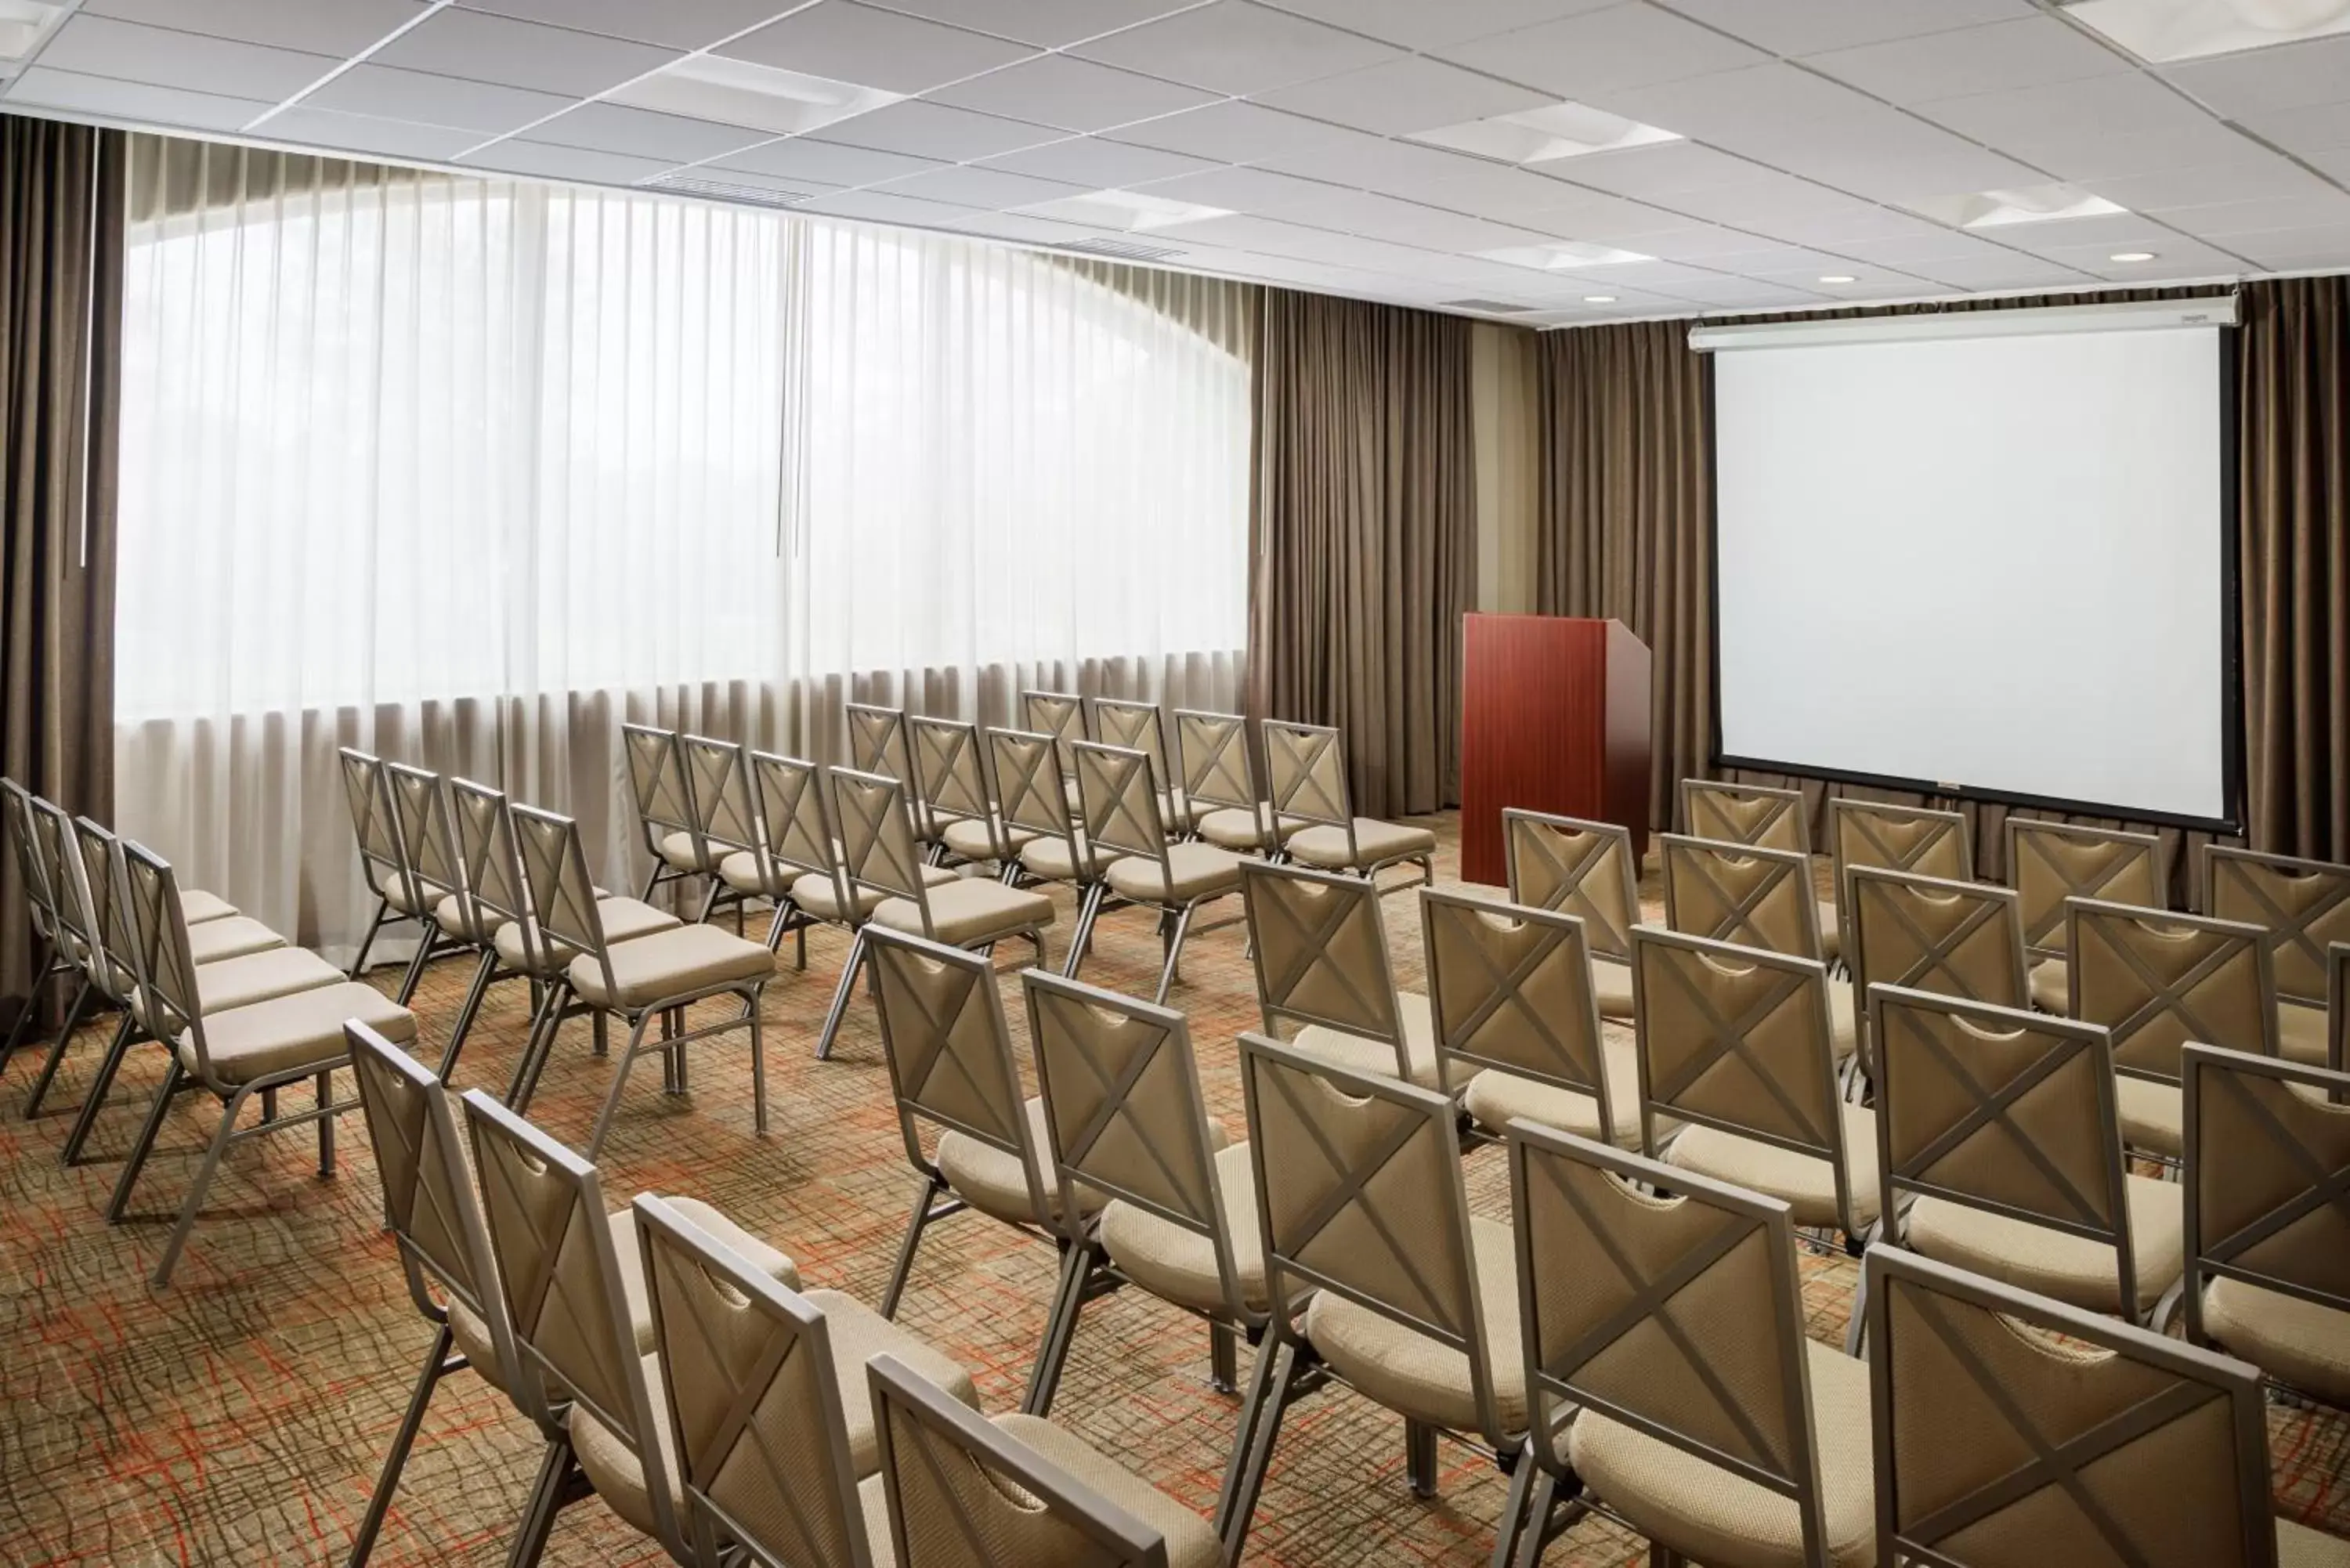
950, 771
1359, 1192
1509, 987
659, 784
1746, 814
2085, 1439
1136, 725
370, 798
1582, 868
751, 1399
1955, 939
562, 894
169, 1002
1030, 771
1306, 766
2002, 1110
2303, 904
419, 816
1215, 753
964, 1493
110, 915
1895, 838
795, 821
2267, 1146
72, 905
722, 806
1320, 952
1059, 716
1738, 1039
1679, 1317
2049, 862
560, 1276
38, 896
1744, 894
1124, 1111
950, 1050
876, 740
491, 864
1117, 793
2159, 981
876, 839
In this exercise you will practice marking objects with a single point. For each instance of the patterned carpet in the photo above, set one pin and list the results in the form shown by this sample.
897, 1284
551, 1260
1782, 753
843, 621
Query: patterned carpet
240, 1417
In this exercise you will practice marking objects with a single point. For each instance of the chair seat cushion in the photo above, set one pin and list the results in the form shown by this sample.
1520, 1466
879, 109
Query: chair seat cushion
2153, 1114
1419, 1377
262, 977
677, 850
990, 1181
1844, 1021
1179, 1264
613, 1467
1806, 1184
1376, 1058
815, 893
449, 914
1494, 1096
2071, 1268
624, 920
971, 839
1831, 934
1191, 1540
2298, 1547
1199, 871
196, 906
969, 910
2050, 986
1238, 829
419, 903
231, 936
859, 1335
669, 963
1325, 844
1049, 857
1611, 988
2296, 1342
1711, 1516
2301, 1034
746, 871
288, 1032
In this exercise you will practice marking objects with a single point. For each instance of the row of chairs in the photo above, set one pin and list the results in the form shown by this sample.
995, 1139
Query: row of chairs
239, 1012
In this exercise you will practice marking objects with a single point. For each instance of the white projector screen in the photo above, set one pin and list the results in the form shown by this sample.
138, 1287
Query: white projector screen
1992, 566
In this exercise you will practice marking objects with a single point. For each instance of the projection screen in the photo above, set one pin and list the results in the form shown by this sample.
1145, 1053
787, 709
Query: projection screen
1993, 557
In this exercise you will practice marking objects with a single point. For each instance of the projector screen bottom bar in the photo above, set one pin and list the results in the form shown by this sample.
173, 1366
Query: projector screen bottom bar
2225, 827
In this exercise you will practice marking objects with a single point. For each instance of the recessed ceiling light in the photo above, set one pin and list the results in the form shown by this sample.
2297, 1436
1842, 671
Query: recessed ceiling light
2131, 256
1838, 278
2161, 30
2026, 204
1543, 135
23, 23
1598, 299
739, 92
1563, 256
1136, 212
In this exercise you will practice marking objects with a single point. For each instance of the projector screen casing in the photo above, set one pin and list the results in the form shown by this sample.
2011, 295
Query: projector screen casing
2229, 742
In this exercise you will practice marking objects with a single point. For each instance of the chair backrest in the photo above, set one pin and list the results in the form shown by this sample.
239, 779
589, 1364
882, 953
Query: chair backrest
168, 1001
58, 860
2159, 981
724, 811
2013, 1431
1509, 987
1305, 773
1117, 794
794, 819
109, 915
1678, 1316
1031, 782
660, 785
1746, 814
562, 894
1739, 1039
1119, 722
751, 1398
420, 814
2049, 862
2002, 1110
1214, 750
1319, 948
1896, 838
491, 864
1744, 894
876, 740
2267, 1147
1582, 868
949, 1050
1124, 1111
1359, 1193
2303, 904
1957, 938
876, 839
560, 1276
964, 1493
370, 798
950, 769
1059, 716
38, 897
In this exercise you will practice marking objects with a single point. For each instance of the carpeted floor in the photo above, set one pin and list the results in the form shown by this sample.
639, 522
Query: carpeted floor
240, 1417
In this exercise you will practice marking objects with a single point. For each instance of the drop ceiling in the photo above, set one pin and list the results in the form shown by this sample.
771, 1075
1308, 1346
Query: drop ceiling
1885, 144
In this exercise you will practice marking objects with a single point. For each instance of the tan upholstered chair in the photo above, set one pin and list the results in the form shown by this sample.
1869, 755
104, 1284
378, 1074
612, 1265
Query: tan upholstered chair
961, 1490
1220, 783
726, 816
1586, 869
1379, 1276
1305, 766
1513, 1022
2158, 982
651, 979
1952, 938
52, 958
662, 791
1139, 727
2305, 906
68, 932
1319, 948
1665, 1334
1736, 1045
1059, 714
951, 766
232, 1054
428, 847
763, 1393
1119, 798
2002, 1154
1034, 775
2268, 1217
2085, 1439
1894, 838
2049, 862
374, 824
1753, 897
1765, 819
1124, 1118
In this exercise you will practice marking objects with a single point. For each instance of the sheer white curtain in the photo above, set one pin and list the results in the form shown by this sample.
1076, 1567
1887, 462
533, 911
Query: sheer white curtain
469, 472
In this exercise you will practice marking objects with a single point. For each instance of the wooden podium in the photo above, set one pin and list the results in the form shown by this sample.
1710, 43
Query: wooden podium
1553, 717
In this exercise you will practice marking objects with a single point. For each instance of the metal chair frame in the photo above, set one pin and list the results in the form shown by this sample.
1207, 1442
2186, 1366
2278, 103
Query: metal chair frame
2129, 853
662, 791
428, 849
1465, 1003
950, 769
1867, 833
1693, 867
385, 868
2226, 941
51, 958
1305, 766
2232, 882
1119, 794
1219, 774
728, 821
1038, 792
1752, 814
1375, 1015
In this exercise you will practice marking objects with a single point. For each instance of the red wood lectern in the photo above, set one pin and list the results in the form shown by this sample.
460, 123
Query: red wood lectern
1553, 717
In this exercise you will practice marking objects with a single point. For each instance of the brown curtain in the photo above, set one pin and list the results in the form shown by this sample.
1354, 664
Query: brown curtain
60, 294
1365, 532
1627, 531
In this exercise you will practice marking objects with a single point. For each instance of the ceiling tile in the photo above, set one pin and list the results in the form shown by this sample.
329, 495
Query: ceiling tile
1496, 191
2003, 274
615, 127
571, 163
1917, 253
1072, 94
2032, 52
2177, 256
1232, 133
1746, 292
880, 207
1026, 228
1418, 24
2270, 179
431, 99
1404, 95
1233, 47
1810, 26
1047, 24
315, 127
338, 28
937, 130
500, 49
1649, 173
676, 24
988, 190
1406, 223
720, 173
2296, 249
2090, 155
826, 163
2324, 207
1594, 215
1276, 238
1359, 158
1833, 231
2290, 77
2310, 127
2113, 231
1098, 164
1621, 46
1742, 206
1242, 190
2334, 162
1702, 244
100, 46
872, 47
2131, 102
45, 87
1727, 104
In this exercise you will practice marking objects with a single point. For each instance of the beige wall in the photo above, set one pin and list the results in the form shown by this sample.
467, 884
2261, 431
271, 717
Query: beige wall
1503, 376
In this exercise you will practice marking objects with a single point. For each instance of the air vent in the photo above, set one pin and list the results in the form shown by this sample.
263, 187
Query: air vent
726, 191
1124, 250
1489, 307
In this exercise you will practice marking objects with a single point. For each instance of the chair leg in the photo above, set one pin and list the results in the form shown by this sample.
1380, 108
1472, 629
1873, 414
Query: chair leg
415, 972
57, 1047
799, 948
436, 1366
93, 1100
1060, 1330
1419, 1458
1511, 1529
620, 1084
196, 1189
475, 995
1252, 1445
153, 1127
44, 958
559, 1482
367, 942
326, 1125
758, 1065
1081, 938
1174, 952
541, 1046
907, 1248
1664, 1557
710, 901
840, 994
1223, 1358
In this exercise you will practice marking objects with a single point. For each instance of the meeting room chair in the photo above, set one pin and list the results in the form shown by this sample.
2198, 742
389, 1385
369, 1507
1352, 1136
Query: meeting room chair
367, 794
428, 847
52, 959
1220, 784
1120, 799
727, 818
2305, 906
1586, 869
1953, 937
1305, 775
1140, 727
1035, 776
1318, 949
2267, 1185
1908, 840
1752, 898
1764, 818
2087, 1439
662, 792
2049, 862
1058, 714
68, 932
950, 768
